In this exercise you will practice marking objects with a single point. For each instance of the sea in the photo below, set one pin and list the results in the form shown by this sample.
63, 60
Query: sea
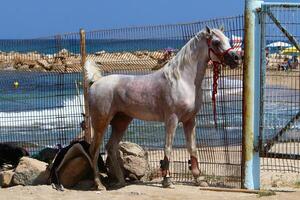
39, 109
51, 46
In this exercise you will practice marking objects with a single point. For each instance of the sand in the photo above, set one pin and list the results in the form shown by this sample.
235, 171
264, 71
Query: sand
136, 192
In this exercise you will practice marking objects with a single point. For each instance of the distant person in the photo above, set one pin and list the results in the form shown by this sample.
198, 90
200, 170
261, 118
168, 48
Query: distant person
267, 56
294, 62
287, 64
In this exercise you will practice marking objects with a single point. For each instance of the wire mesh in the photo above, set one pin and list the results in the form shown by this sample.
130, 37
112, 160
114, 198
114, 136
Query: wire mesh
40, 91
280, 137
41, 94
141, 50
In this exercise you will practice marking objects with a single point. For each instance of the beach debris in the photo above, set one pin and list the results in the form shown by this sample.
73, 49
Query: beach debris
30, 172
137, 193
16, 84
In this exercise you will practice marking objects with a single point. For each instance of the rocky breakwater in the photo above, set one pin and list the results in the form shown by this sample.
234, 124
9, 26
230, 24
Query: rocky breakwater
65, 61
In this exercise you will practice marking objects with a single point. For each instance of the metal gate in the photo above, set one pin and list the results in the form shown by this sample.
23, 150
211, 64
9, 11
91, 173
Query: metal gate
280, 90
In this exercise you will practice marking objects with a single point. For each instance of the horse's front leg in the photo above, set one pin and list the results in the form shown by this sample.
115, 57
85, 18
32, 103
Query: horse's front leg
190, 135
171, 125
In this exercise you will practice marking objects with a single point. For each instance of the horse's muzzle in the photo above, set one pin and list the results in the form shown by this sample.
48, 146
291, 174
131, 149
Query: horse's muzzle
232, 59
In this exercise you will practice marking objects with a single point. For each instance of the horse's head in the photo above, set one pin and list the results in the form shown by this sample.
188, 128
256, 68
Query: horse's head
219, 49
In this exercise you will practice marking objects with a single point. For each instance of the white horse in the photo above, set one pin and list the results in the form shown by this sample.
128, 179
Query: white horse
171, 95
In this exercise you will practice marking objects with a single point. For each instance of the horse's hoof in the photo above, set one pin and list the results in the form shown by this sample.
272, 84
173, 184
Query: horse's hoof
167, 183
200, 181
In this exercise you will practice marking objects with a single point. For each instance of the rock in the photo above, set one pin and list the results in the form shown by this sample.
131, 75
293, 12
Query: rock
6, 178
38, 68
128, 148
10, 68
74, 171
203, 184
135, 166
133, 160
23, 68
58, 67
63, 53
30, 172
44, 64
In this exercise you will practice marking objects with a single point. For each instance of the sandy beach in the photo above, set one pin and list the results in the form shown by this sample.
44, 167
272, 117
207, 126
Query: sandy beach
136, 192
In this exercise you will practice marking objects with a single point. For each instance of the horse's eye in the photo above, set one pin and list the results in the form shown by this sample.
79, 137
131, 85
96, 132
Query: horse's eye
216, 43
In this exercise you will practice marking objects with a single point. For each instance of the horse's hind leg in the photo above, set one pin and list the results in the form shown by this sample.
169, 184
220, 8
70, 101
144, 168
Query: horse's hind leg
190, 135
98, 128
119, 125
171, 125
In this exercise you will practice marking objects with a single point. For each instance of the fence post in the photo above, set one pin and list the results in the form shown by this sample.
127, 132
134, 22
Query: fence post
87, 128
251, 97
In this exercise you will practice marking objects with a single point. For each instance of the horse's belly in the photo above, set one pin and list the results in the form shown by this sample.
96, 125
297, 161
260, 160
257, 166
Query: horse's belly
143, 114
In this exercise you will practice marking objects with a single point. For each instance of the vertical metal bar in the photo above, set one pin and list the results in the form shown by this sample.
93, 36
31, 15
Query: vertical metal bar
262, 78
87, 128
251, 93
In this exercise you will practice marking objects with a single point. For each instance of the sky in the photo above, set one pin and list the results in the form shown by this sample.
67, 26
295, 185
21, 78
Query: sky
39, 18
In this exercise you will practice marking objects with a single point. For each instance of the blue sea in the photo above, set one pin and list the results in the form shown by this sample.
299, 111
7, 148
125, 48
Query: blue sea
51, 46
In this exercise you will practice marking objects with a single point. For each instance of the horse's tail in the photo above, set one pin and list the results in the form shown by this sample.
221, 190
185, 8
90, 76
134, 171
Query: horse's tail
92, 71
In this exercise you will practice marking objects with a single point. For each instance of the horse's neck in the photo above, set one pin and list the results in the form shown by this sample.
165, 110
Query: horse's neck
190, 62
197, 54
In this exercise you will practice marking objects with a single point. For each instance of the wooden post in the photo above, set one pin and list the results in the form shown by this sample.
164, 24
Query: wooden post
87, 127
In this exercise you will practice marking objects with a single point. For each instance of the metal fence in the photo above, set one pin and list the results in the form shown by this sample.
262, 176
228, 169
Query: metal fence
40, 91
41, 94
140, 50
280, 130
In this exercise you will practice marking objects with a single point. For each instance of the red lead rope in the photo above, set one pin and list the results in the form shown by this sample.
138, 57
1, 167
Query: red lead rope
215, 90
215, 76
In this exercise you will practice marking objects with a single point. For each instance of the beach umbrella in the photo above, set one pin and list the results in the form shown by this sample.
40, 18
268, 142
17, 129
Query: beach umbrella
290, 50
237, 42
278, 44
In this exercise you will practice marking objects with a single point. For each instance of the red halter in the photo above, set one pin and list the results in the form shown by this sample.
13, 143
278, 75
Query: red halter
216, 64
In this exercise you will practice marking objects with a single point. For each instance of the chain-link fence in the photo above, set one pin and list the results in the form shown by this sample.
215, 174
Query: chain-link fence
42, 97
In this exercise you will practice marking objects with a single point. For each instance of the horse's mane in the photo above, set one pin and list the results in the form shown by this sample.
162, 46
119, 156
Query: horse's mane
172, 69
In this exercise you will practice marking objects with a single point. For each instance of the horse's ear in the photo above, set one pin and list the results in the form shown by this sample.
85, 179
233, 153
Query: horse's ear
222, 28
208, 31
